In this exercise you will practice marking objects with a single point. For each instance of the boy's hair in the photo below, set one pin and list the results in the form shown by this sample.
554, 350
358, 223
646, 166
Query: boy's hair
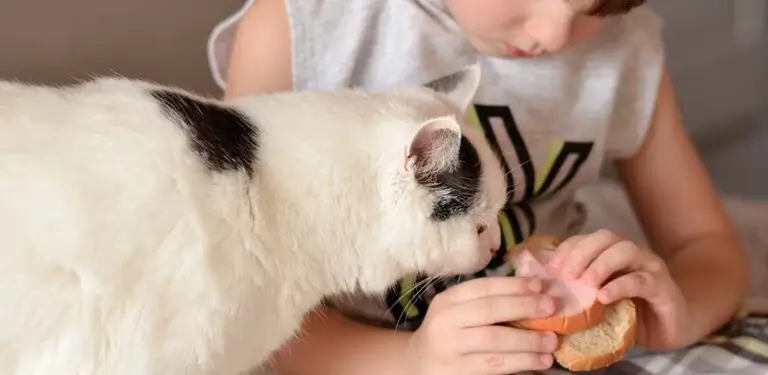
604, 8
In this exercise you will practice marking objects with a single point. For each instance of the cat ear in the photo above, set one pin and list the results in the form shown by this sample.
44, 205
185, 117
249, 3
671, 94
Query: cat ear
459, 87
435, 147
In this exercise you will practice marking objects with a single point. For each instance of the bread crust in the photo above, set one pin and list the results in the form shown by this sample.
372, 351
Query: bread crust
566, 324
536, 241
574, 360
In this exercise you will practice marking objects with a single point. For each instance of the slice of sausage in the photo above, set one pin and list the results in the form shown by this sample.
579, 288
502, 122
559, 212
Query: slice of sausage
576, 305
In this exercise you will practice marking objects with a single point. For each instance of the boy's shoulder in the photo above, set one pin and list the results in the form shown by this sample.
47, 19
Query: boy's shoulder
642, 25
374, 44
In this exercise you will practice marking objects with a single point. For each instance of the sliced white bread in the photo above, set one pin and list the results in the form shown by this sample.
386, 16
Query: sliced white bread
604, 343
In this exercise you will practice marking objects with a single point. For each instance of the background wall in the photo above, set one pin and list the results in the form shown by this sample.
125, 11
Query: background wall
718, 58
55, 41
717, 55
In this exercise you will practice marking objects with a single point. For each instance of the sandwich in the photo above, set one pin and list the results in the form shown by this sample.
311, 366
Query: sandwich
591, 335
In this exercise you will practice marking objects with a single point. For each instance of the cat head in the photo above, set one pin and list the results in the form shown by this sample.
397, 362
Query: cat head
454, 186
376, 186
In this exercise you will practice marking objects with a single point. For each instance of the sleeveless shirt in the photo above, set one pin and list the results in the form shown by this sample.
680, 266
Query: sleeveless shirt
554, 120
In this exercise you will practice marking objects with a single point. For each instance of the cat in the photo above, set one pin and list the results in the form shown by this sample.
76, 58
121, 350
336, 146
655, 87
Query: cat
148, 230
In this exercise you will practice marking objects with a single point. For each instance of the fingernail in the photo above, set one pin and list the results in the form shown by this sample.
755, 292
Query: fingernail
547, 305
546, 360
550, 341
535, 286
603, 295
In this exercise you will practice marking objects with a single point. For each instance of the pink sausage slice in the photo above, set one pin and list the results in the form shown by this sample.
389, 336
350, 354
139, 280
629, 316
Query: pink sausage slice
576, 305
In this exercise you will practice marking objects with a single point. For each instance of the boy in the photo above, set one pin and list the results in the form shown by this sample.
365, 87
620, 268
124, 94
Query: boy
567, 86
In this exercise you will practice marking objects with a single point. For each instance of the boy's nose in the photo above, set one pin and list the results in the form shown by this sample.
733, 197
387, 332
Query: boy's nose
550, 33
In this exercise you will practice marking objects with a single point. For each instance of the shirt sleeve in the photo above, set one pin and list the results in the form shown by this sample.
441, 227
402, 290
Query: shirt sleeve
220, 44
639, 34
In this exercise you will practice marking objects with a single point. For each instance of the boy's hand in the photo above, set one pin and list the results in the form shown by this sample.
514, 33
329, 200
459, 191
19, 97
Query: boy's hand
631, 271
458, 335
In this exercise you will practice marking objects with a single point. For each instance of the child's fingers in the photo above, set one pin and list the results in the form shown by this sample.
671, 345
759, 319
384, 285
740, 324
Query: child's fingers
564, 249
496, 338
504, 363
493, 310
631, 285
616, 258
584, 252
487, 287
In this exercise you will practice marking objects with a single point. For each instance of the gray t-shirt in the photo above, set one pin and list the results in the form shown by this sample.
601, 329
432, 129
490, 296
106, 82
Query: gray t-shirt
555, 119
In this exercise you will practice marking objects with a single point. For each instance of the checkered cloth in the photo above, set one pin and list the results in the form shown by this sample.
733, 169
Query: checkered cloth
741, 347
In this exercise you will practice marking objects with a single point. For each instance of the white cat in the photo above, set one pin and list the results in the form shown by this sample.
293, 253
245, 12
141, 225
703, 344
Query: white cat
144, 230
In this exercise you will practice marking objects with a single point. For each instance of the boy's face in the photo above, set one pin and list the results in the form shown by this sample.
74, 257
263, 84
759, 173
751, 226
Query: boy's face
527, 28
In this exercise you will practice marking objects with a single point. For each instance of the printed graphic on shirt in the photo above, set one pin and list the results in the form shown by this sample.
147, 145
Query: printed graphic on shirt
564, 161
408, 300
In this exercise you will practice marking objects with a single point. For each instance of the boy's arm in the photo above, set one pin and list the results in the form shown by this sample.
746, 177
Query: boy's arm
260, 60
332, 344
684, 220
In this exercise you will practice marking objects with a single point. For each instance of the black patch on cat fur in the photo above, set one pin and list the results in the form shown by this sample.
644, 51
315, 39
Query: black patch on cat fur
446, 84
223, 137
458, 189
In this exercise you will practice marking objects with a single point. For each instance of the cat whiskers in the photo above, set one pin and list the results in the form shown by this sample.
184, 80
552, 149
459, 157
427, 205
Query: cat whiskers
420, 288
508, 173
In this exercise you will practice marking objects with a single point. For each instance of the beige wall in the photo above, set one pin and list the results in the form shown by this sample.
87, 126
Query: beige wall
57, 41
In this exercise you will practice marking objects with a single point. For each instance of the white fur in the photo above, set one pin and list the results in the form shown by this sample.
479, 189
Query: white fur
121, 253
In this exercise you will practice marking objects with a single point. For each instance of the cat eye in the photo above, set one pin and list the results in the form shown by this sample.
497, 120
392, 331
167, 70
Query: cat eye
481, 228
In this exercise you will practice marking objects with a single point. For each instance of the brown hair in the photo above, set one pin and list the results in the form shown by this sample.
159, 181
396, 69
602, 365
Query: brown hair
604, 8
